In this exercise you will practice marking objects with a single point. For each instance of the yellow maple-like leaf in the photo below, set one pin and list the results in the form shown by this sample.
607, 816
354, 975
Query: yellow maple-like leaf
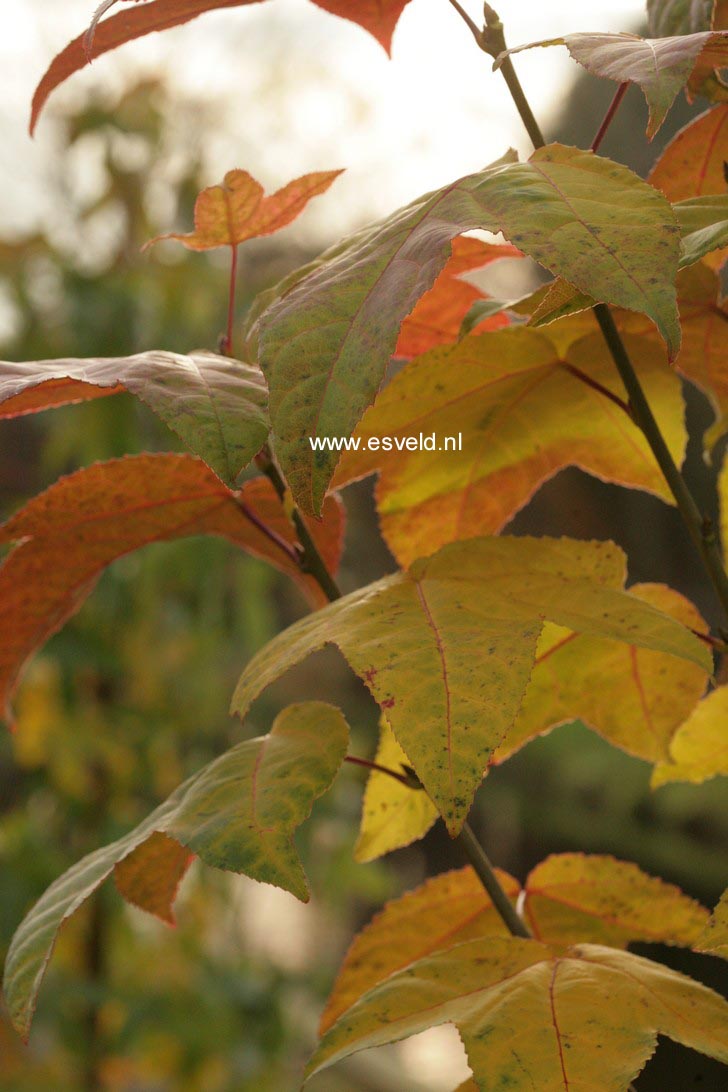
393, 815
569, 898
238, 210
520, 401
635, 698
699, 748
714, 938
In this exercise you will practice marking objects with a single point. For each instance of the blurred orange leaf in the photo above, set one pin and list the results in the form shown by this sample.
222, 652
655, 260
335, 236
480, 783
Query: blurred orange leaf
237, 210
438, 315
69, 534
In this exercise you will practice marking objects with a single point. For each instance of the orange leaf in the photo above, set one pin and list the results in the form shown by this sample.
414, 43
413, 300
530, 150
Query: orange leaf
150, 876
438, 315
237, 210
70, 533
379, 17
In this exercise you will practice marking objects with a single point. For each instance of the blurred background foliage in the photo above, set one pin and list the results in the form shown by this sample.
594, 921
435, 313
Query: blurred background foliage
132, 695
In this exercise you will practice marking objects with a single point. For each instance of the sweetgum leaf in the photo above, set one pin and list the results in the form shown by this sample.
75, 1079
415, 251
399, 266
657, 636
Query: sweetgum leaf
447, 648
714, 938
699, 748
523, 414
217, 406
238, 210
659, 66
393, 815
692, 163
325, 342
379, 17
567, 899
237, 813
637, 699
530, 1013
69, 534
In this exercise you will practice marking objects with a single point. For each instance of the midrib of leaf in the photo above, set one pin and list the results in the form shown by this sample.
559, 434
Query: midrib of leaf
443, 665
554, 1021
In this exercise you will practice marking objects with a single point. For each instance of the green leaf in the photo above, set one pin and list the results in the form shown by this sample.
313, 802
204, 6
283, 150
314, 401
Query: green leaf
447, 648
217, 406
703, 224
659, 66
238, 813
529, 1015
393, 815
325, 342
567, 899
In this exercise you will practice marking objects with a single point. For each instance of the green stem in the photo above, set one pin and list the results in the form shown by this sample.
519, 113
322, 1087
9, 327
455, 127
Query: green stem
700, 528
472, 849
486, 874
309, 559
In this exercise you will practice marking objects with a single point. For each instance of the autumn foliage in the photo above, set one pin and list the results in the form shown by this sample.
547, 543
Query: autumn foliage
482, 641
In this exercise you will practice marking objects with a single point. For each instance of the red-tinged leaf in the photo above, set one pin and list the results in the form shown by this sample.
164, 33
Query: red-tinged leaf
659, 66
524, 411
533, 1014
438, 316
238, 813
237, 210
635, 698
379, 17
217, 406
617, 237
70, 533
714, 938
150, 876
567, 899
447, 648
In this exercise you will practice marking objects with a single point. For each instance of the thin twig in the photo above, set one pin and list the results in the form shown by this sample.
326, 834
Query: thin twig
486, 874
309, 558
228, 340
288, 548
467, 20
611, 111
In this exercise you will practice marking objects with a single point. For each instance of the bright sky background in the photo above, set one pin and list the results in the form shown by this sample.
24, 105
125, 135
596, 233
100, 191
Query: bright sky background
301, 90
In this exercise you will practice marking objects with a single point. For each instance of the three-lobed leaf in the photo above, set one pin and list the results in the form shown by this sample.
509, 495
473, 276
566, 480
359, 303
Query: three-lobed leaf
216, 405
659, 66
238, 209
69, 534
238, 813
447, 648
530, 1013
523, 402
569, 898
325, 342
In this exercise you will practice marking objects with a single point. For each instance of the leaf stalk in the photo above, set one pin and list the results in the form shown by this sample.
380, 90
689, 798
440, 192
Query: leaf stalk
486, 874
